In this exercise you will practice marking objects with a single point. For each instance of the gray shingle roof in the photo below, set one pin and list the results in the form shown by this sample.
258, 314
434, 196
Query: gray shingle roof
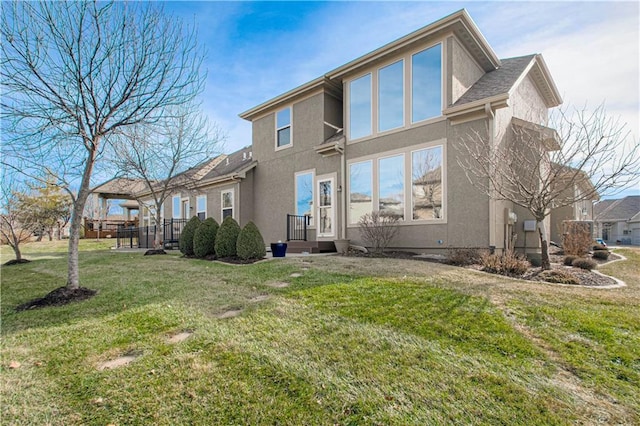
617, 210
234, 162
498, 81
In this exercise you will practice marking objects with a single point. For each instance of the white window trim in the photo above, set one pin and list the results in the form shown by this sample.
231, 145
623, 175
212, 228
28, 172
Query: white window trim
407, 93
233, 204
290, 126
313, 193
332, 178
375, 173
173, 207
187, 208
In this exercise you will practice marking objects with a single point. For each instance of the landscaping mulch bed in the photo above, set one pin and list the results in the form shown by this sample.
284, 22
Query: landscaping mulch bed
154, 252
16, 262
234, 260
58, 297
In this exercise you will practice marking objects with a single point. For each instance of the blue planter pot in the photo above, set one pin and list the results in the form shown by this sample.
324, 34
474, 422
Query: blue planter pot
278, 249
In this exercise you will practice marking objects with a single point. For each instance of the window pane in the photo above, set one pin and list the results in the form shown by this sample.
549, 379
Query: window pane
284, 136
227, 212
426, 84
283, 118
304, 194
391, 186
390, 96
325, 193
360, 190
426, 183
227, 200
325, 220
360, 107
202, 203
201, 216
176, 207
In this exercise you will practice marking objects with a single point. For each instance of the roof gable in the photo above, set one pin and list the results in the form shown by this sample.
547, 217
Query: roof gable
618, 210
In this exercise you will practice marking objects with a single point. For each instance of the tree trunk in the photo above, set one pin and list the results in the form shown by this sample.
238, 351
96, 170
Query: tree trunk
157, 238
545, 263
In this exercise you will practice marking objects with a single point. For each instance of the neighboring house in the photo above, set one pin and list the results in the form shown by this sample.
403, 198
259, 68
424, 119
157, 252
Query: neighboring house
582, 210
378, 133
618, 221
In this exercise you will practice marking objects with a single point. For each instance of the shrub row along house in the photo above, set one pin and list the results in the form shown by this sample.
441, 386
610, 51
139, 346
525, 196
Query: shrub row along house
379, 134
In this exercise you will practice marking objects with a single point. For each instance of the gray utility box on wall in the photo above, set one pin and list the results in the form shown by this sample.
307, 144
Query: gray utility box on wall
529, 225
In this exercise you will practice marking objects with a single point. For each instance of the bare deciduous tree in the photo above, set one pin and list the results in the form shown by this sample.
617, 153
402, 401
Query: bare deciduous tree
75, 73
378, 229
581, 154
12, 224
158, 155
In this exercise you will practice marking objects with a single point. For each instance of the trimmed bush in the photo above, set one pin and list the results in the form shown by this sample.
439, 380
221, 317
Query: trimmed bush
586, 264
568, 260
250, 244
559, 276
204, 239
227, 238
509, 263
601, 254
599, 247
185, 244
463, 256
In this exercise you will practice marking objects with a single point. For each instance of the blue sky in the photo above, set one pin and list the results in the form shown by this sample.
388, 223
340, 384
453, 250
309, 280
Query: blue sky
258, 50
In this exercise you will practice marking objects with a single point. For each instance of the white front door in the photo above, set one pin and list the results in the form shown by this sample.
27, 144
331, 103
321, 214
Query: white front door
326, 211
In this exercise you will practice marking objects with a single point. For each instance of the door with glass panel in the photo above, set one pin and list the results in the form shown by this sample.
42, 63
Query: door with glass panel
326, 208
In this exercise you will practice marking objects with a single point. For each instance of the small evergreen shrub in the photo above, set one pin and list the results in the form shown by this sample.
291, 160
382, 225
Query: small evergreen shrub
586, 264
250, 244
227, 238
601, 254
568, 260
204, 239
185, 244
463, 256
599, 247
509, 263
559, 276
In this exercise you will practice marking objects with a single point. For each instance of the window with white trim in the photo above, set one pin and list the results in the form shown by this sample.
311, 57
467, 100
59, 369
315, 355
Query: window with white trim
360, 107
176, 205
391, 186
391, 96
226, 204
426, 183
283, 127
426, 84
304, 195
201, 207
360, 190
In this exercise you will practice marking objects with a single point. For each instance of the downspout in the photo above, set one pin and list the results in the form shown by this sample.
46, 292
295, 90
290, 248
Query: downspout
343, 172
492, 202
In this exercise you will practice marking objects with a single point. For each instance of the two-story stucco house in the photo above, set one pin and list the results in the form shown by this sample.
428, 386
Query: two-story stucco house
379, 134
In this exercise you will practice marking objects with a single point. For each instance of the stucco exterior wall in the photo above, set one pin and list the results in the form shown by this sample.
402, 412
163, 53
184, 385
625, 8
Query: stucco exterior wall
464, 70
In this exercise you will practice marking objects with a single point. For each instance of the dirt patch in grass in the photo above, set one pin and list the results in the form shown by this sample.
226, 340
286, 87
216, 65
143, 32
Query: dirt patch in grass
154, 252
121, 361
58, 297
179, 337
235, 260
229, 314
260, 298
16, 262
277, 284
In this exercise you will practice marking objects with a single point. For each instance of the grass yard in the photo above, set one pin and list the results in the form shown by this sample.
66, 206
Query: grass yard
346, 341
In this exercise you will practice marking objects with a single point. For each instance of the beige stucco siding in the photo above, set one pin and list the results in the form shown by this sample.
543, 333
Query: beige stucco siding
464, 70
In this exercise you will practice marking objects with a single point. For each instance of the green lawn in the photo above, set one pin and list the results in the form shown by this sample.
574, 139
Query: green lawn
350, 341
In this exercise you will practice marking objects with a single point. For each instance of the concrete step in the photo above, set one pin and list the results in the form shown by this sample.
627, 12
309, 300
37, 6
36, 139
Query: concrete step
310, 247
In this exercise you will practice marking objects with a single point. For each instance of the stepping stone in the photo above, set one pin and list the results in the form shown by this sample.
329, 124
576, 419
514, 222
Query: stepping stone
230, 314
295, 275
180, 337
118, 362
260, 298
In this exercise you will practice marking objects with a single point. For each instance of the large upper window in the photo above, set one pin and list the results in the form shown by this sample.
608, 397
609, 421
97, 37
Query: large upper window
391, 185
390, 96
304, 194
283, 127
176, 207
426, 84
426, 183
360, 107
360, 190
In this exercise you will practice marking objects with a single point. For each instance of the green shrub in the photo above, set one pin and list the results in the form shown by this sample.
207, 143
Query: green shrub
204, 239
601, 254
586, 264
599, 247
568, 260
559, 276
463, 256
250, 244
508, 263
227, 237
185, 244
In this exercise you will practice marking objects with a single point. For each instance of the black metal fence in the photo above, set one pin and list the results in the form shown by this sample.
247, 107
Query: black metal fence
143, 237
297, 227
